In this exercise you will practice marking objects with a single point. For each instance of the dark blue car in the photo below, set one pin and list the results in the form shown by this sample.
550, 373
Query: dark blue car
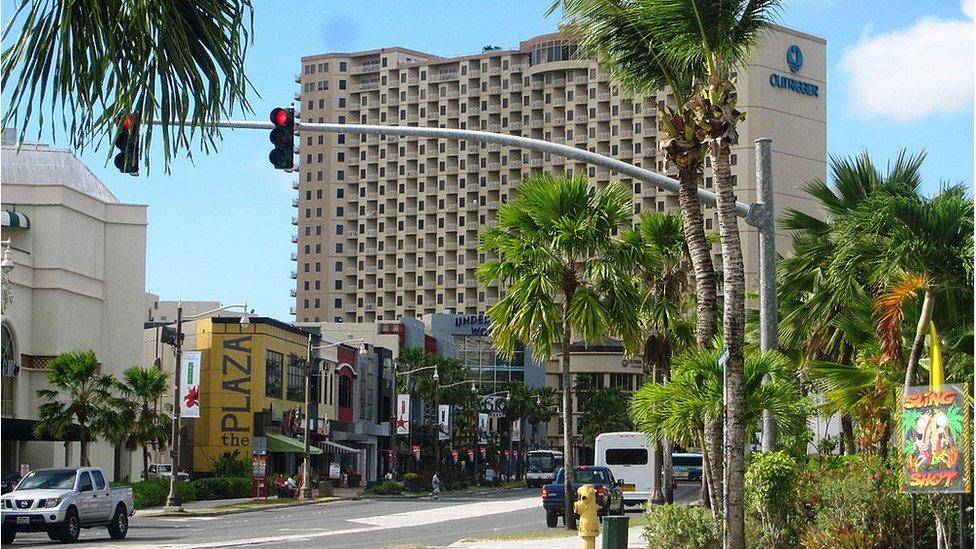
608, 492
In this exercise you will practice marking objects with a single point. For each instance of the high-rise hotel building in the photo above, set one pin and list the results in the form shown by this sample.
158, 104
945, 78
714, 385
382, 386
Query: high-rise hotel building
388, 227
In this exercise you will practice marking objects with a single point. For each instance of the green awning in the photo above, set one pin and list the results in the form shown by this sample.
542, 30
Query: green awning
283, 444
10, 218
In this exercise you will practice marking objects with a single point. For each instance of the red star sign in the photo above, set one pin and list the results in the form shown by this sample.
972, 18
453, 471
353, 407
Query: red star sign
400, 422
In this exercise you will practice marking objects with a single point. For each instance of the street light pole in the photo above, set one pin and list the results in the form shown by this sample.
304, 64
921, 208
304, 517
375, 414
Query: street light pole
306, 488
173, 502
437, 421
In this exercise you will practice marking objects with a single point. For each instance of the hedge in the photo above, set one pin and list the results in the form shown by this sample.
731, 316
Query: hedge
153, 493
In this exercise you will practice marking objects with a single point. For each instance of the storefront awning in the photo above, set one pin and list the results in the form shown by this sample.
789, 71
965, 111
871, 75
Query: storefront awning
10, 218
336, 448
283, 444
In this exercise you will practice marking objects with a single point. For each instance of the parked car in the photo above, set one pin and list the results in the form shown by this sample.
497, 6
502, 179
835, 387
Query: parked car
9, 481
608, 492
165, 470
63, 501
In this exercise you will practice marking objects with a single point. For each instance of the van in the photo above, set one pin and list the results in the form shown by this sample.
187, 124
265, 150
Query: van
687, 466
630, 457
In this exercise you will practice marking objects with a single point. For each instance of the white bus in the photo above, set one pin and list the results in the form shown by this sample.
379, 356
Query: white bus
630, 457
541, 467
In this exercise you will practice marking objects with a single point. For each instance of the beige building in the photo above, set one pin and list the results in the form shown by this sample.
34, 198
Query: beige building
388, 227
77, 283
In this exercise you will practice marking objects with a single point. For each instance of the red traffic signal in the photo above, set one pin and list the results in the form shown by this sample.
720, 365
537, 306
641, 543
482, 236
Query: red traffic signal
283, 138
127, 141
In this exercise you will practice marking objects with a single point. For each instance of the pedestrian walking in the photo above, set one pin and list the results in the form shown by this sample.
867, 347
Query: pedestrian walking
435, 483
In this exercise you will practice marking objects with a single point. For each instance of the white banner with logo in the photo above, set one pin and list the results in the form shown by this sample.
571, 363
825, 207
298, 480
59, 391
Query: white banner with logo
516, 431
482, 428
403, 415
190, 384
444, 422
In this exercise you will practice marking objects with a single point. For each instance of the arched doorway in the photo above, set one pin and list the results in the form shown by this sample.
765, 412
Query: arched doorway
8, 371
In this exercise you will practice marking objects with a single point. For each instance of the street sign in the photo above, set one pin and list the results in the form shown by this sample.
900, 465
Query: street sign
722, 360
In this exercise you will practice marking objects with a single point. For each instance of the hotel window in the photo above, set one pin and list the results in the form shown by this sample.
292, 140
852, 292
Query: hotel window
272, 374
342, 66
345, 392
296, 379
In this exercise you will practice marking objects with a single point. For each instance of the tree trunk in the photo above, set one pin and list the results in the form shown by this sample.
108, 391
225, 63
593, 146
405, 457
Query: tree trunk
928, 302
713, 442
709, 475
652, 371
668, 476
568, 495
145, 462
847, 430
85, 462
733, 274
701, 254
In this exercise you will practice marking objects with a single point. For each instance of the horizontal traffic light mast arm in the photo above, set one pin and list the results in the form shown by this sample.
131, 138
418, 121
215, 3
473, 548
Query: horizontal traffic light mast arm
752, 213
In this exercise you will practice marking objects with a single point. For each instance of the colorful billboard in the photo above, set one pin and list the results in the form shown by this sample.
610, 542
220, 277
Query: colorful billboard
936, 429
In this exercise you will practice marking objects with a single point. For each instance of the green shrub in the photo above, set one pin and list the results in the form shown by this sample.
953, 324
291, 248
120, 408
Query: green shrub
221, 488
231, 465
150, 493
770, 498
415, 483
681, 527
386, 488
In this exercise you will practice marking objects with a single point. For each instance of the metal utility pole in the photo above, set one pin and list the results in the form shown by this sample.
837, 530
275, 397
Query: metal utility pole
306, 487
173, 502
768, 314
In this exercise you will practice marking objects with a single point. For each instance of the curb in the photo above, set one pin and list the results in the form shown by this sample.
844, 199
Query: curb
443, 494
217, 512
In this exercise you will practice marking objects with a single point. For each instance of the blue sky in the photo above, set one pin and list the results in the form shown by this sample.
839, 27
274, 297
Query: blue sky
219, 226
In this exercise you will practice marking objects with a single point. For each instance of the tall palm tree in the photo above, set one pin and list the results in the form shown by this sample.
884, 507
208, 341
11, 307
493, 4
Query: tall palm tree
101, 60
684, 407
660, 262
560, 262
78, 394
618, 33
144, 424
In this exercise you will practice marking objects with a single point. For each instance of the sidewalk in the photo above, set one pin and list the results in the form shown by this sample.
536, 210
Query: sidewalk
634, 541
217, 507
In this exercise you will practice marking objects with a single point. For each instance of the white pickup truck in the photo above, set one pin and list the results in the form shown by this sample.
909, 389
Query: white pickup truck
63, 501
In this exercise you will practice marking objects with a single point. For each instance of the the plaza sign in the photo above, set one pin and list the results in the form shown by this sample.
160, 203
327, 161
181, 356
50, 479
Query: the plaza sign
794, 59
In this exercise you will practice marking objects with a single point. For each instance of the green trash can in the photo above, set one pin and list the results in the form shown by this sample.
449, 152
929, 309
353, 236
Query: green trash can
615, 530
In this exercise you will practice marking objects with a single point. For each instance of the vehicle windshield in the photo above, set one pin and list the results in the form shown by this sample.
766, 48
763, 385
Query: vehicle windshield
164, 468
590, 476
58, 479
540, 464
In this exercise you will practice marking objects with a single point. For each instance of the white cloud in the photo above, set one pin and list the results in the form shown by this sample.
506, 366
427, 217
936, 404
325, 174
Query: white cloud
911, 73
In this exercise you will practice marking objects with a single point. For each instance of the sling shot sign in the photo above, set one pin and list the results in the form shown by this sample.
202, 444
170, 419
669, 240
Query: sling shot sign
794, 60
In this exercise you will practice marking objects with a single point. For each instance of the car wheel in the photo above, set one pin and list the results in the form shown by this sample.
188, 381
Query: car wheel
119, 526
552, 519
70, 529
7, 536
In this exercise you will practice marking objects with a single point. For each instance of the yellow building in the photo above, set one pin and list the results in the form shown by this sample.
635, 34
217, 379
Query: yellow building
251, 383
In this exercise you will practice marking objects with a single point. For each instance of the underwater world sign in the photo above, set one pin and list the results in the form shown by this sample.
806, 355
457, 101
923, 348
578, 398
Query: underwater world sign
936, 438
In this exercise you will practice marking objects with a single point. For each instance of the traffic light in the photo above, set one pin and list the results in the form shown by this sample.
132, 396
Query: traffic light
283, 138
127, 141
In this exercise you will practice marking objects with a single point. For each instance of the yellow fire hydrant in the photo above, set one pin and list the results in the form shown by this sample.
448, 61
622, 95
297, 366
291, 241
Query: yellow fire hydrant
586, 507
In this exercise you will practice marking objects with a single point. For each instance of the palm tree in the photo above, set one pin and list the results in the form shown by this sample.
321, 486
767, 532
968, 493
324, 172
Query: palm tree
144, 424
660, 261
690, 403
560, 262
179, 62
618, 33
78, 394
826, 313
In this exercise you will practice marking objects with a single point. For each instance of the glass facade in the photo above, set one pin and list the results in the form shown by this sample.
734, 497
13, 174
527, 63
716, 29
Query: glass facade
488, 369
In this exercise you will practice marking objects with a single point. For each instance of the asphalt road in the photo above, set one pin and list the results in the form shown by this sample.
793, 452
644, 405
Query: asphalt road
356, 524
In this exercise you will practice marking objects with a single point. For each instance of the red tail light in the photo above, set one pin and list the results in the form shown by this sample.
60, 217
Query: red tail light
601, 491
545, 492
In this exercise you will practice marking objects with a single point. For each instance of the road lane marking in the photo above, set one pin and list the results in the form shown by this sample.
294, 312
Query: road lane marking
385, 522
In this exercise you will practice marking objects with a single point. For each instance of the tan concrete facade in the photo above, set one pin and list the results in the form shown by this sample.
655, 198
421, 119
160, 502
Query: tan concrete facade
388, 227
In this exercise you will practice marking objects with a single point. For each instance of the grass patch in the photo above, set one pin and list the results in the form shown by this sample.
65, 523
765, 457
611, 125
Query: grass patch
636, 521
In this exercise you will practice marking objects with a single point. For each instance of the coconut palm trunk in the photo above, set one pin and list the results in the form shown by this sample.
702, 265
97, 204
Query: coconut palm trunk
701, 253
734, 316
